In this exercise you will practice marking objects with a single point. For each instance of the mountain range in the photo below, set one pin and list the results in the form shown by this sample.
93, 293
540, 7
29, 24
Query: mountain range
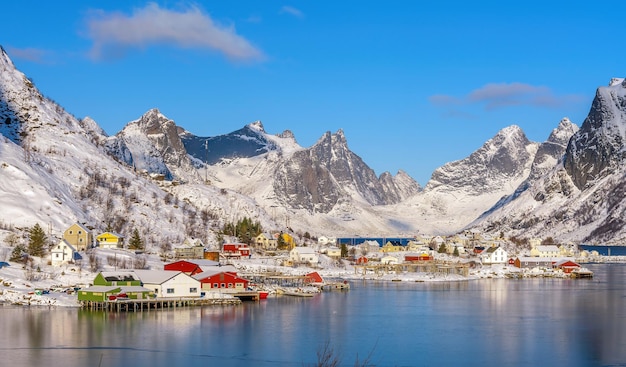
171, 184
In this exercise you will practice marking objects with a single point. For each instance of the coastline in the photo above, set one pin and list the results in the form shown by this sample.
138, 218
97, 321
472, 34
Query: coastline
59, 289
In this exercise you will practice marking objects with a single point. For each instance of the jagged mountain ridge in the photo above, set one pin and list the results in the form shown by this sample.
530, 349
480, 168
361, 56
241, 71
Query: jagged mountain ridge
68, 172
583, 197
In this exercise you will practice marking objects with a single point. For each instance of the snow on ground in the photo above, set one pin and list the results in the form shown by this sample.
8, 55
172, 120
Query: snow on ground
20, 286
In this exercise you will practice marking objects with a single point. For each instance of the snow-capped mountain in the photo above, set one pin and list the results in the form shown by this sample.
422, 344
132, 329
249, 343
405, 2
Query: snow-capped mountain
582, 198
56, 169
152, 144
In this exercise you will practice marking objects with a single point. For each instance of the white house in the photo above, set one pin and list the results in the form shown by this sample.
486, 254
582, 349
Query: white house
303, 255
389, 260
333, 251
323, 240
169, 284
494, 255
63, 253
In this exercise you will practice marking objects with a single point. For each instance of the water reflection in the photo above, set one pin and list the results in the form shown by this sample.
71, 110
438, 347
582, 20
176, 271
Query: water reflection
489, 322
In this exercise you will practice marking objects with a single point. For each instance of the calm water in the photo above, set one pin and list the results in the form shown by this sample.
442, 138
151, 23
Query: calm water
492, 322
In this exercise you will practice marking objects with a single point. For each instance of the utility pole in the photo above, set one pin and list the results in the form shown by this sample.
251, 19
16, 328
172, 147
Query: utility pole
206, 161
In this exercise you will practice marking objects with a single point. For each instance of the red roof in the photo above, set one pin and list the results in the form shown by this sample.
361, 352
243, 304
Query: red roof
314, 277
184, 266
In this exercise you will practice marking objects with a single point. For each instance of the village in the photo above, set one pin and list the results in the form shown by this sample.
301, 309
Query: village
193, 273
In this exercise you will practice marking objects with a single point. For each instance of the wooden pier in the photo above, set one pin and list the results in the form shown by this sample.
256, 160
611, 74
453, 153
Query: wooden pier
141, 305
433, 267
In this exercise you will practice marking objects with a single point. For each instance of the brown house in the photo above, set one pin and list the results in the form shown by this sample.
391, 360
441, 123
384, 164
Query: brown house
79, 236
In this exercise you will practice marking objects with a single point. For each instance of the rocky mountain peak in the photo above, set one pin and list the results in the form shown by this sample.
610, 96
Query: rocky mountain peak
504, 158
597, 149
257, 126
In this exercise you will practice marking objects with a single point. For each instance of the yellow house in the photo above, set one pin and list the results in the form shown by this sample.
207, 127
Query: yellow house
110, 240
390, 247
289, 241
265, 241
79, 236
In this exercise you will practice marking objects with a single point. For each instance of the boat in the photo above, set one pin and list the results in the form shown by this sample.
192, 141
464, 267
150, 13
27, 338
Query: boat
581, 273
263, 294
297, 293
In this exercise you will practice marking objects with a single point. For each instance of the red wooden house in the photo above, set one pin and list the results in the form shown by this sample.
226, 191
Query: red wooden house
221, 280
417, 257
362, 260
184, 266
314, 277
191, 267
236, 249
566, 265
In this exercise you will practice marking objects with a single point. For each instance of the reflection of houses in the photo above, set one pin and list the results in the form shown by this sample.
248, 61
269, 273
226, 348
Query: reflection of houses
301, 255
494, 255
110, 240
63, 253
78, 236
166, 284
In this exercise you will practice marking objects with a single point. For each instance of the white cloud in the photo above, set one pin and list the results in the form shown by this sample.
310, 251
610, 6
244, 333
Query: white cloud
31, 54
114, 33
499, 95
291, 10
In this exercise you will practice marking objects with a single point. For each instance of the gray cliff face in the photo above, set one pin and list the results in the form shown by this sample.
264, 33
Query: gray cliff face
503, 159
319, 177
152, 144
552, 150
597, 149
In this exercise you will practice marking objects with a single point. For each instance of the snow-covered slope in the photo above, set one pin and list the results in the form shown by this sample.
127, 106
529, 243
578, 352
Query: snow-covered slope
583, 197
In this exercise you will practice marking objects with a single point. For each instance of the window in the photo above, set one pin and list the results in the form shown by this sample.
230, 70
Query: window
215, 285
230, 285
170, 290
223, 285
193, 290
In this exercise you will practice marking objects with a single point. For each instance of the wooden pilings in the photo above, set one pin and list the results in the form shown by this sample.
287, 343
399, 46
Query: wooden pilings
141, 305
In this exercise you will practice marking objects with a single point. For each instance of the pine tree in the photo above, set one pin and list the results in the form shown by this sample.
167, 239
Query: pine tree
442, 248
17, 254
37, 241
135, 243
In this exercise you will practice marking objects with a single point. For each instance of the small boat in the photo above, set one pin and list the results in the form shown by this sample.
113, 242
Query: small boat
297, 293
581, 273
263, 294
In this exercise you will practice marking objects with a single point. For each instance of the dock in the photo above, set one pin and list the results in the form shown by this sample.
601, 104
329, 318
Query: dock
141, 305
435, 267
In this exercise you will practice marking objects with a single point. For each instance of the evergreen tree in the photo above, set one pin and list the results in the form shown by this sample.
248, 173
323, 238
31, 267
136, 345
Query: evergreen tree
344, 250
456, 251
37, 241
442, 248
281, 243
135, 243
17, 254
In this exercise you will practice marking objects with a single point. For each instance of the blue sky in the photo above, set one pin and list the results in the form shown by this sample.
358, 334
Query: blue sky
412, 84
